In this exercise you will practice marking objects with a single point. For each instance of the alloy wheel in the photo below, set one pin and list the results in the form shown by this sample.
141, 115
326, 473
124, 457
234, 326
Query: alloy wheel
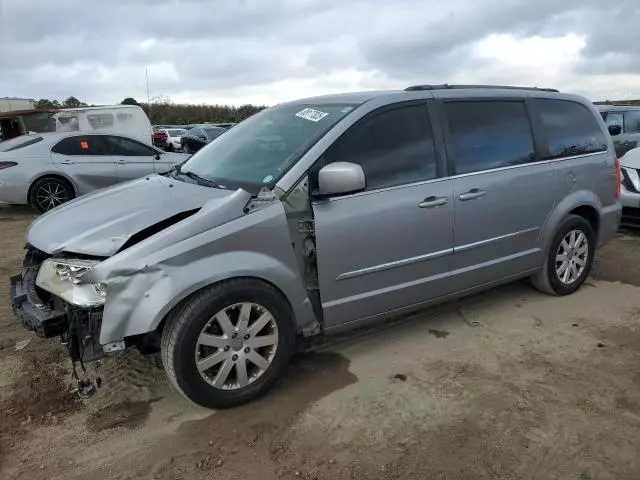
571, 257
51, 194
237, 346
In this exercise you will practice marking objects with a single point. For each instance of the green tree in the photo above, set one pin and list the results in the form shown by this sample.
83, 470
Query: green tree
72, 102
129, 101
45, 103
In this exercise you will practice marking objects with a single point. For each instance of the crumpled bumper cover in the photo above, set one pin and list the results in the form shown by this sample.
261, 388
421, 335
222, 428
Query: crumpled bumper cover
29, 308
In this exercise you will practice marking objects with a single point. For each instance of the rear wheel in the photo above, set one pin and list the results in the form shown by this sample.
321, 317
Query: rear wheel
229, 343
50, 192
569, 259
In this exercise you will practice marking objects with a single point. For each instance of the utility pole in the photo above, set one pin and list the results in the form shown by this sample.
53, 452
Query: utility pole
146, 71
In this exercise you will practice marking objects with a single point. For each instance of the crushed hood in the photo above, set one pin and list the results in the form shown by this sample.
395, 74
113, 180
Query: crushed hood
99, 224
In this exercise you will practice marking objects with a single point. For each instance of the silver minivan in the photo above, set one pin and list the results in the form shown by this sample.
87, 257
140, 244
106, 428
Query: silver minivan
320, 215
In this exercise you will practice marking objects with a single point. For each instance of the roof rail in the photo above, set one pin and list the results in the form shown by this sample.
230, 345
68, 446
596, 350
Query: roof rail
414, 88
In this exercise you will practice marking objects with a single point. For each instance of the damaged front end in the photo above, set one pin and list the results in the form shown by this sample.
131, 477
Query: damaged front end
49, 300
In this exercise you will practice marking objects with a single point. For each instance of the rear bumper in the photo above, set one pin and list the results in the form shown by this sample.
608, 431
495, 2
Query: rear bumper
14, 193
609, 223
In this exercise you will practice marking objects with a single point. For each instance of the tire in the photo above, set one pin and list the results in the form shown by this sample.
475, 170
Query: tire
170, 147
550, 280
49, 192
186, 149
197, 316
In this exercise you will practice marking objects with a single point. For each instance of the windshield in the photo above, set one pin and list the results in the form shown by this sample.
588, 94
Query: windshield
18, 142
259, 150
177, 132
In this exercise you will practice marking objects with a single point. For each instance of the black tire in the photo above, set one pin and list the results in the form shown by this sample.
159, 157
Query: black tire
547, 280
184, 325
39, 191
185, 148
170, 147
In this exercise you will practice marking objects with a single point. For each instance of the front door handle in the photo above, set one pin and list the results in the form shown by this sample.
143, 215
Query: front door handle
122, 160
67, 163
433, 202
471, 194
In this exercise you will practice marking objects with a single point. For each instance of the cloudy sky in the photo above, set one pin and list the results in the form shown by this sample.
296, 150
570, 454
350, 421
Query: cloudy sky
267, 51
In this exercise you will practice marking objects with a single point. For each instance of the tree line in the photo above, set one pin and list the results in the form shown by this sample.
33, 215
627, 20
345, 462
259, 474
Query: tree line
162, 111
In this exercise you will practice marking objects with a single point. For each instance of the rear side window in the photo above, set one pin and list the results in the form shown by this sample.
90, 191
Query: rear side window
393, 148
126, 147
80, 145
488, 134
632, 121
569, 128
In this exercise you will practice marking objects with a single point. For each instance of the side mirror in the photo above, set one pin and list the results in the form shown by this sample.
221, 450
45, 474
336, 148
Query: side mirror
615, 130
157, 157
340, 177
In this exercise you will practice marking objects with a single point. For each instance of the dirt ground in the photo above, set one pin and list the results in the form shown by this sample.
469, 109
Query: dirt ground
540, 388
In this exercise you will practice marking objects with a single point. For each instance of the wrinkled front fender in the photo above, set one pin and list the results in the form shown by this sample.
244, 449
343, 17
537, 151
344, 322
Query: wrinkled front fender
147, 282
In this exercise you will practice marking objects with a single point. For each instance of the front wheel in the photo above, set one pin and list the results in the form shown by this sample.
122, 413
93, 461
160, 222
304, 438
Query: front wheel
49, 192
569, 259
229, 343
186, 149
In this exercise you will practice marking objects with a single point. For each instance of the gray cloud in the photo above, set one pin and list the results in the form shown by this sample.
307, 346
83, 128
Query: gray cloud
99, 50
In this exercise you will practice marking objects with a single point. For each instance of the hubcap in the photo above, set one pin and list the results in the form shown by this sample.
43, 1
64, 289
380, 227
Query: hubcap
571, 257
237, 346
50, 195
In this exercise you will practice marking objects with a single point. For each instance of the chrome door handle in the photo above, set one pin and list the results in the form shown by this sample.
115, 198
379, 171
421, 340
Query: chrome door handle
471, 194
433, 202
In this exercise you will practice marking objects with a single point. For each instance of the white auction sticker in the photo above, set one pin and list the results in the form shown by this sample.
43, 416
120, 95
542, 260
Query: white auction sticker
311, 114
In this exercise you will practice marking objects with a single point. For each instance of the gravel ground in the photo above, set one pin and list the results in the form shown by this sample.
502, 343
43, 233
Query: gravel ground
542, 388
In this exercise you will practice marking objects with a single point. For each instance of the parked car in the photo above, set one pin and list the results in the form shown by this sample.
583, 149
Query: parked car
174, 136
630, 188
197, 137
49, 169
623, 123
160, 138
368, 205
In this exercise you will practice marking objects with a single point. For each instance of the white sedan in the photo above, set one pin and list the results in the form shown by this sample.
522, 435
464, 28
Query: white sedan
173, 138
47, 169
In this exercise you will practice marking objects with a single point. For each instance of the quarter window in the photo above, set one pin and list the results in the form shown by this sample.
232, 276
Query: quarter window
488, 134
393, 147
80, 145
569, 128
126, 147
632, 121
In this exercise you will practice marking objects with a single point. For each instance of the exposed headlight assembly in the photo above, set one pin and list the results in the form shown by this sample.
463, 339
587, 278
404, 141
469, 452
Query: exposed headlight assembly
63, 278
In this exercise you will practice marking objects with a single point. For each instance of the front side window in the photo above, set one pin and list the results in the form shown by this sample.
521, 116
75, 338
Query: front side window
632, 121
213, 132
258, 151
393, 147
127, 147
570, 128
488, 134
80, 145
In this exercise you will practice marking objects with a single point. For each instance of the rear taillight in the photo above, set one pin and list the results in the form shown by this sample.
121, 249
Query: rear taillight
617, 178
7, 165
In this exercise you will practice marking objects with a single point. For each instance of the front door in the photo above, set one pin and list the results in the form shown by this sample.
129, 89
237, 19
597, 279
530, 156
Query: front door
132, 158
502, 197
389, 246
84, 159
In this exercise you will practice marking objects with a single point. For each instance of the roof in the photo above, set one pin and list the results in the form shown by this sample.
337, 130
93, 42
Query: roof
362, 97
619, 108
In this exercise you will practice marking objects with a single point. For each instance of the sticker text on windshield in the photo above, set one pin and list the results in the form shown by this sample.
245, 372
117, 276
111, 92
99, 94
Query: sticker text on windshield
311, 114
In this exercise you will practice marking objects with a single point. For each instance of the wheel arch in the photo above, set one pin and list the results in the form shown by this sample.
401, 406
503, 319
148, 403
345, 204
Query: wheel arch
582, 203
57, 175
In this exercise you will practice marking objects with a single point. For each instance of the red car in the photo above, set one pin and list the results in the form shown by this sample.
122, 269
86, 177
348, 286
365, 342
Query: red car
159, 138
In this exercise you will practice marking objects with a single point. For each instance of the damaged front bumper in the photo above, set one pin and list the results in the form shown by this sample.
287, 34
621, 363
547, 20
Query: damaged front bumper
49, 317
